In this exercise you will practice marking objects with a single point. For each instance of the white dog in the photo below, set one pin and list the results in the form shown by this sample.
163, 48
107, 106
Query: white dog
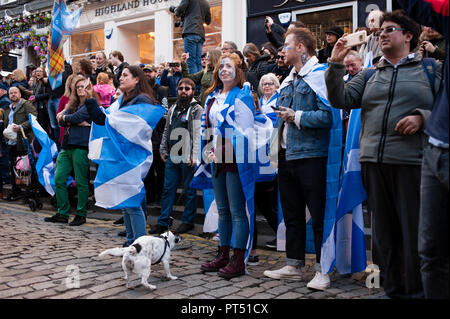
143, 253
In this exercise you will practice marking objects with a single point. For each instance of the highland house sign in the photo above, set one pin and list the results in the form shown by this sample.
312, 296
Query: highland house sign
134, 4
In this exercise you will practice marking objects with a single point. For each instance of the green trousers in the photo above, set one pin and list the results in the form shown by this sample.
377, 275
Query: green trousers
67, 160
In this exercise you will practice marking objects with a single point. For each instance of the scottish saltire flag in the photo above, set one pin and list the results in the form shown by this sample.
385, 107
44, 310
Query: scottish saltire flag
236, 123
349, 229
122, 148
211, 223
63, 24
267, 107
45, 167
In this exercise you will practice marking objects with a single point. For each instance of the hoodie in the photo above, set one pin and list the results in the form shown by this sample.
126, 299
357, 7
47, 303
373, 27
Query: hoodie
105, 92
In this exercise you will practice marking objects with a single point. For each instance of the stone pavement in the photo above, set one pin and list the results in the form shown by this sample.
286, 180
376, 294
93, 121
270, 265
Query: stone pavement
40, 260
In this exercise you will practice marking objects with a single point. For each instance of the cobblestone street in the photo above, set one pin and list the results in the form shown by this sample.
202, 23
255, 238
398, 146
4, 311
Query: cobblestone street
37, 258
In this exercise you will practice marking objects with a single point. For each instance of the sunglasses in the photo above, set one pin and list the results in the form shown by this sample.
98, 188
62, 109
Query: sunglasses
279, 57
388, 30
184, 88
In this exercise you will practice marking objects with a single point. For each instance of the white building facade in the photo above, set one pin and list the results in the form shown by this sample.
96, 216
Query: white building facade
144, 31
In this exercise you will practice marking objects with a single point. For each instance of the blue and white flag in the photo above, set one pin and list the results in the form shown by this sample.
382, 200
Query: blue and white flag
63, 24
211, 223
45, 166
235, 121
349, 251
264, 126
123, 150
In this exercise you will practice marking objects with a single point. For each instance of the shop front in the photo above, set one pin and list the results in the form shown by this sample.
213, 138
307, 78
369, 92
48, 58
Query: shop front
143, 30
318, 15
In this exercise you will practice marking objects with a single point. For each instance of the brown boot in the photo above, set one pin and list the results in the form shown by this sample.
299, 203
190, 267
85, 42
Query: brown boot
222, 259
236, 267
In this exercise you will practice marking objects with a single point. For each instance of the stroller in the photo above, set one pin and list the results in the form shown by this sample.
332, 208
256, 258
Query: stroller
25, 171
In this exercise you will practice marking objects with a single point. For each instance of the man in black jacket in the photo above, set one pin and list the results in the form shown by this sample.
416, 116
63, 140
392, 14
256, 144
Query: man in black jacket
194, 13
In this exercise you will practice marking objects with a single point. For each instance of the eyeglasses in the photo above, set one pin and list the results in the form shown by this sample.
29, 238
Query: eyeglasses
184, 88
279, 57
268, 84
388, 30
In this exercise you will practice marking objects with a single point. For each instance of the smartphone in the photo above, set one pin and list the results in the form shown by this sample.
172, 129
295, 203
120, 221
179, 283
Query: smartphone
356, 38
174, 64
86, 83
276, 108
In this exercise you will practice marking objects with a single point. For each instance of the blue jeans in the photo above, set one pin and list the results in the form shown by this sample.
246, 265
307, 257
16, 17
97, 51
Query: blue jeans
134, 220
231, 203
193, 44
52, 107
172, 175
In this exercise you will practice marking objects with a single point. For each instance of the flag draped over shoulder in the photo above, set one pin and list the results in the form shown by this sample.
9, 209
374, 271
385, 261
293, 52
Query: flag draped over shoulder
236, 123
45, 167
63, 24
316, 80
123, 150
345, 246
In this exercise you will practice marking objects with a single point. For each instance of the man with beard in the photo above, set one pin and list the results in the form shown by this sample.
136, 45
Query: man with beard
179, 147
159, 92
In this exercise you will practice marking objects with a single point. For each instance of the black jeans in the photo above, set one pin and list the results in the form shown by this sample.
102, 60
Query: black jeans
433, 223
302, 182
266, 199
154, 181
393, 193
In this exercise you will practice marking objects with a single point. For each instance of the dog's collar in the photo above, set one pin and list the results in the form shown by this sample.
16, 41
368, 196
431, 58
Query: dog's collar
166, 244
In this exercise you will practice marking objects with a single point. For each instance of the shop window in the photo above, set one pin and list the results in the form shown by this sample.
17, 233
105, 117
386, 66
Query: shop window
147, 47
213, 34
320, 21
82, 44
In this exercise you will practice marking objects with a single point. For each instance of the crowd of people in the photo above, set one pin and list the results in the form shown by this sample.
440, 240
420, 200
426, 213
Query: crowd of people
403, 140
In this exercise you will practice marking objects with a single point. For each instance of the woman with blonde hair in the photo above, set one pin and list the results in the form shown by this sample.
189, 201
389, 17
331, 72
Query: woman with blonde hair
19, 80
204, 77
63, 102
73, 155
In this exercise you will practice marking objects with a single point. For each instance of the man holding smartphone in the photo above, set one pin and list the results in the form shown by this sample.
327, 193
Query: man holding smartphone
304, 133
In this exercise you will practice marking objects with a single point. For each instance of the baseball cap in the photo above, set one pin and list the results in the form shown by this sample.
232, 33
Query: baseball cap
149, 67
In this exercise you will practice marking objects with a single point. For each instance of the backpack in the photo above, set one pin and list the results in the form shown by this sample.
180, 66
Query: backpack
429, 67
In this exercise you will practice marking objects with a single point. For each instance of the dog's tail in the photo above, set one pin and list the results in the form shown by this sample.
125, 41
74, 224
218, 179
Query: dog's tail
119, 252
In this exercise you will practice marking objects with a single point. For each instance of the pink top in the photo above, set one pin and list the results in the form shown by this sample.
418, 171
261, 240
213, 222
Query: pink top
105, 92
62, 104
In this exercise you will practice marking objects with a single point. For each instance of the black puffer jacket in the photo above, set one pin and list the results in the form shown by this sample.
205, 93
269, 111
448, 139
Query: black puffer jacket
195, 13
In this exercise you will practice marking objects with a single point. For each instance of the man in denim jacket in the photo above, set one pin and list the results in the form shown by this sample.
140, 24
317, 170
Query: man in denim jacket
304, 131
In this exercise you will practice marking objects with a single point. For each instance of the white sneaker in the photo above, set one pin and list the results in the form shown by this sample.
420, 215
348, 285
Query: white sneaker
287, 272
319, 282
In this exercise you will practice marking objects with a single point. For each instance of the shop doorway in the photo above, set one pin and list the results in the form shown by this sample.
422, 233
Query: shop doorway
322, 18
137, 41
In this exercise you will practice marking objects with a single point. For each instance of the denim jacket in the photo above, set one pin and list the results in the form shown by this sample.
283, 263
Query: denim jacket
309, 136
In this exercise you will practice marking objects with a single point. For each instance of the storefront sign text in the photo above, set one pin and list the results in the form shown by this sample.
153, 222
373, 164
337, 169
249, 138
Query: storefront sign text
125, 6
25, 28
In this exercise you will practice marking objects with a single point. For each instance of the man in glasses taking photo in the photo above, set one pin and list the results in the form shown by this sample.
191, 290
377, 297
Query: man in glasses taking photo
396, 99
